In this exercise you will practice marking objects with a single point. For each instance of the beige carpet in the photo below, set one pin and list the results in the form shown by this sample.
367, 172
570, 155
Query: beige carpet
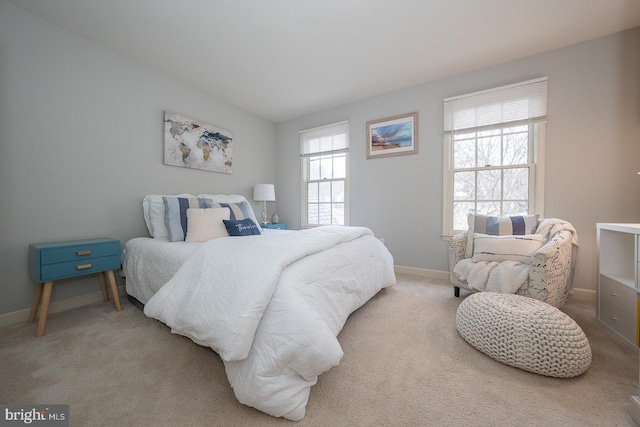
404, 365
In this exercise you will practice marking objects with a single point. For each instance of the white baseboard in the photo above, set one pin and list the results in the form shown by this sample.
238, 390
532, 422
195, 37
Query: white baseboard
422, 272
57, 306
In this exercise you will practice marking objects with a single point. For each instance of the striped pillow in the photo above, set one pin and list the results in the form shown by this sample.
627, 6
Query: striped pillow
237, 211
154, 214
175, 214
499, 226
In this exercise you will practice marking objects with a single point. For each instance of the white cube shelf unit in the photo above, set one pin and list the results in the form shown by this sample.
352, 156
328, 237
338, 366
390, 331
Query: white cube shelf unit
618, 285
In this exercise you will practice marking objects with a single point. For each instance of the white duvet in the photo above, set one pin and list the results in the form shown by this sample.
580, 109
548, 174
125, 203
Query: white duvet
273, 305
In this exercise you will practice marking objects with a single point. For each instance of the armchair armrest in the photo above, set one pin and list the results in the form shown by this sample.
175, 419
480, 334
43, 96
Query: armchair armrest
457, 248
551, 270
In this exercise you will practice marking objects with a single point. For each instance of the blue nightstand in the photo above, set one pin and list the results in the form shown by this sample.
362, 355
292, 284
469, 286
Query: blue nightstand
279, 226
73, 258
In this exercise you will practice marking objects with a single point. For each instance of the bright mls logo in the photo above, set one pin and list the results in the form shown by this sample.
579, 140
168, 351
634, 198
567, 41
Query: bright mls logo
38, 415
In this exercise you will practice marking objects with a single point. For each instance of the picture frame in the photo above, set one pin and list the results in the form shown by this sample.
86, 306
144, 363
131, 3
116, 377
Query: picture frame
392, 136
189, 143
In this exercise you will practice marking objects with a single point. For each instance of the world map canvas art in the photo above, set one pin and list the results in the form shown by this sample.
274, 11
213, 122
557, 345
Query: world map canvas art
192, 144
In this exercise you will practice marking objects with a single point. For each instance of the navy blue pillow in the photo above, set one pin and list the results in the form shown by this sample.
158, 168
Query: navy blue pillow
242, 227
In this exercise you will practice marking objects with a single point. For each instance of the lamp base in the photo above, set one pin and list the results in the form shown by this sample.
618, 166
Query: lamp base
264, 213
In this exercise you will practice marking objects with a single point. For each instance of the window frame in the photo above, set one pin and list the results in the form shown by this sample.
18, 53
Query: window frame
340, 128
537, 132
536, 176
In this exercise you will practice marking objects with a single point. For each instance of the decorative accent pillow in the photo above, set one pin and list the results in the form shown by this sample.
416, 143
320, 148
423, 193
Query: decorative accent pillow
206, 224
175, 214
499, 226
242, 227
153, 211
505, 248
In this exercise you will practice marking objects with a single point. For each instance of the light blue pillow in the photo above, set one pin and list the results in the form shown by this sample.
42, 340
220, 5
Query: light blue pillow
175, 214
242, 227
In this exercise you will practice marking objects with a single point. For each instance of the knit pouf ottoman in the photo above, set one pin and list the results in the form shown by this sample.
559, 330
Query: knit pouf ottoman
525, 333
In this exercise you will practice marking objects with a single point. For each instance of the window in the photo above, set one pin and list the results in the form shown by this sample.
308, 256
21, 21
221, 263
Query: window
494, 153
325, 175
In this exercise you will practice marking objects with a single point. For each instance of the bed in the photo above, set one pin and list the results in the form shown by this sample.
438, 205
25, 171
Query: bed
270, 304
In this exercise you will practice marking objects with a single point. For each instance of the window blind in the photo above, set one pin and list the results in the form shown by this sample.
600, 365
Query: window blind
329, 139
524, 102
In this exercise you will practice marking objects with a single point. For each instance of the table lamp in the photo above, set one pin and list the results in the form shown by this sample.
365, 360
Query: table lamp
264, 193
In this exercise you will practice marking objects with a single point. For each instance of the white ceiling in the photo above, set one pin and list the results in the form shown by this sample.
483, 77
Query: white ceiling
281, 59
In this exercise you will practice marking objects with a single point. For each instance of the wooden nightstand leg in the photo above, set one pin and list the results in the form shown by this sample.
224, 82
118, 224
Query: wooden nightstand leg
36, 303
103, 284
45, 309
114, 289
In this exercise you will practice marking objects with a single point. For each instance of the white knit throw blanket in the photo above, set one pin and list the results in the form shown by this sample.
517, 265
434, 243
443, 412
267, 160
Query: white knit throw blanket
548, 227
504, 277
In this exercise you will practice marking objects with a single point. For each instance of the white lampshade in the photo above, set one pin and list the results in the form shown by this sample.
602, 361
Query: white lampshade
264, 193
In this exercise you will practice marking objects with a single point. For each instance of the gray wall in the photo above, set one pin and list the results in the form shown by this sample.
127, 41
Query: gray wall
81, 143
592, 151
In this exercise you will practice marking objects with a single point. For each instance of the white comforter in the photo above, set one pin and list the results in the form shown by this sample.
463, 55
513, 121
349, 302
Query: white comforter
272, 306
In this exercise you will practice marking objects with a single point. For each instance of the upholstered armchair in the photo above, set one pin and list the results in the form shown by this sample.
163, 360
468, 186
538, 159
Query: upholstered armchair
550, 268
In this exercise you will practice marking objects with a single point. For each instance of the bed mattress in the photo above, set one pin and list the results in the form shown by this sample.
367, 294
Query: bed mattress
147, 264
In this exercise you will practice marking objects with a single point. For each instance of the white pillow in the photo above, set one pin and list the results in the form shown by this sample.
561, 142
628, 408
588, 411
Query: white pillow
505, 248
153, 211
206, 224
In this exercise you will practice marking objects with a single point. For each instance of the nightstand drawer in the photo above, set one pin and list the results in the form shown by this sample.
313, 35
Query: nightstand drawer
63, 270
79, 252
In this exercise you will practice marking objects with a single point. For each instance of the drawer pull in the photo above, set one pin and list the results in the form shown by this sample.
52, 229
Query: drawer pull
80, 253
614, 318
613, 294
83, 266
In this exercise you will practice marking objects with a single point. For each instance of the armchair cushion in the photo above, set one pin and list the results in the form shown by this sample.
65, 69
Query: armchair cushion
499, 226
